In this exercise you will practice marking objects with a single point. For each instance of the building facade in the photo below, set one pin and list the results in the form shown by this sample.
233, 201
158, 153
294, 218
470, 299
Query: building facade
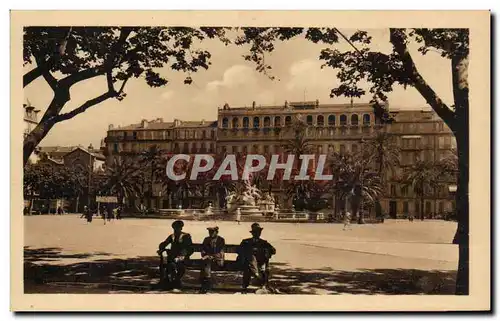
30, 120
420, 134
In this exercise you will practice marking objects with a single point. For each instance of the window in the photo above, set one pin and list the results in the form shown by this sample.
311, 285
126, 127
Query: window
342, 148
234, 149
255, 149
245, 149
366, 120
256, 122
441, 207
125, 135
309, 119
354, 148
428, 207
225, 122
343, 120
193, 148
212, 134
393, 190
235, 122
320, 120
266, 149
204, 135
245, 122
354, 120
203, 147
405, 207
176, 147
319, 149
134, 135
277, 121
212, 147
331, 148
115, 147
404, 191
185, 149
331, 120
288, 120
267, 122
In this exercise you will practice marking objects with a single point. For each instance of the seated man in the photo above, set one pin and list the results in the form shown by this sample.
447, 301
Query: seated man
212, 253
255, 253
181, 249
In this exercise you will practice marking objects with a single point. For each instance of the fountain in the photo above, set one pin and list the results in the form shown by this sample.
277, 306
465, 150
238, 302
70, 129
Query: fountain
250, 201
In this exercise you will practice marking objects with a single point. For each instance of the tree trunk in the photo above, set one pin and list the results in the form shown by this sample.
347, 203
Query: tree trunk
422, 207
77, 201
61, 97
462, 207
30, 211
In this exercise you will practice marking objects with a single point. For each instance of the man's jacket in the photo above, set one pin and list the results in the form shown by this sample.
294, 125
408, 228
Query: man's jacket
214, 247
259, 248
181, 246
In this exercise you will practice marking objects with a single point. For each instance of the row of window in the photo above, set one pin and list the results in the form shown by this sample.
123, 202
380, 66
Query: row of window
441, 191
320, 121
179, 134
414, 207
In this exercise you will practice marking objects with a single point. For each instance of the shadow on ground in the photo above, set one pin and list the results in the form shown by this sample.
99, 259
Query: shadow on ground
46, 272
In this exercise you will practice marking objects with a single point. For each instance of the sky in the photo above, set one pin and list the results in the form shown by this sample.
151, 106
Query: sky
230, 79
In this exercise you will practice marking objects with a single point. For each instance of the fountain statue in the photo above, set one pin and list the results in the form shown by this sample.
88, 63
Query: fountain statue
250, 200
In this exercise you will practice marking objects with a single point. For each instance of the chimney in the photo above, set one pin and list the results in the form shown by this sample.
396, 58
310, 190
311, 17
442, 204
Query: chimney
286, 103
177, 122
203, 121
160, 120
144, 123
317, 102
90, 148
253, 104
110, 126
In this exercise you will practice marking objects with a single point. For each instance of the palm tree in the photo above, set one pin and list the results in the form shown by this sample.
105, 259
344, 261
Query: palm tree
152, 157
422, 177
355, 183
297, 146
384, 153
121, 179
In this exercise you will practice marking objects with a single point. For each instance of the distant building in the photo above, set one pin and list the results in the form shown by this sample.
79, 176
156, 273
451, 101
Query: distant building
30, 121
420, 134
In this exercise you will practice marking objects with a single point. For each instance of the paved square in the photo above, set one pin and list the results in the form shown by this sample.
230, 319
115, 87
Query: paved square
66, 254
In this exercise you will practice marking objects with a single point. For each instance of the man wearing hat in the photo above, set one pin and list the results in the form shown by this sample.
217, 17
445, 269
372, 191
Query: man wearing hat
212, 254
181, 249
255, 253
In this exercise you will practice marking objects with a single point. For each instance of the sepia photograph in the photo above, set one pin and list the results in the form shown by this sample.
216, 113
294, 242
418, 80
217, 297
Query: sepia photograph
297, 161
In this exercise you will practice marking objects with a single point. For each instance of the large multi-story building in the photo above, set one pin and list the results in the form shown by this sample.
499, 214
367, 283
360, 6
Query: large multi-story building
331, 127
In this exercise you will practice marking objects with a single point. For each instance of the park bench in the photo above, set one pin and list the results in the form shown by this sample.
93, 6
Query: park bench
196, 264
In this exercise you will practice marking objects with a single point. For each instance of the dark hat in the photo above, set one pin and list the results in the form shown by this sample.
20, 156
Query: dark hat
178, 224
213, 228
256, 227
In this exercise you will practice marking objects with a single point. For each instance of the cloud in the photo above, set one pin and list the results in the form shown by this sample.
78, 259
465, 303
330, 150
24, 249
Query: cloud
307, 74
167, 95
233, 77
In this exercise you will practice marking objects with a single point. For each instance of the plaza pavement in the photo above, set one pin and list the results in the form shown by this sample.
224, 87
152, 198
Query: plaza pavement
66, 254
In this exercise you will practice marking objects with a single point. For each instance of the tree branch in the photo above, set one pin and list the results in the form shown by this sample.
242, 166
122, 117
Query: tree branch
45, 72
31, 75
398, 41
348, 41
85, 106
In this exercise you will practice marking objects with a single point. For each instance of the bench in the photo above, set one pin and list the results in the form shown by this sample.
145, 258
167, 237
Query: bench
197, 264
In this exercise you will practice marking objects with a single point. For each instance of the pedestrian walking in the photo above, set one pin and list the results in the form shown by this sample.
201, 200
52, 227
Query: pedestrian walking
347, 220
238, 215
